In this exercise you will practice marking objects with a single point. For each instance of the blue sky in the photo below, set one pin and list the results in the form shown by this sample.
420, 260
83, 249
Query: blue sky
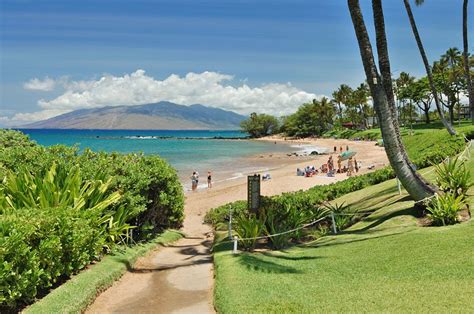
310, 44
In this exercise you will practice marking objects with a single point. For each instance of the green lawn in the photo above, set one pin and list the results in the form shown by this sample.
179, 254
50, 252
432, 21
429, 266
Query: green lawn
383, 263
373, 134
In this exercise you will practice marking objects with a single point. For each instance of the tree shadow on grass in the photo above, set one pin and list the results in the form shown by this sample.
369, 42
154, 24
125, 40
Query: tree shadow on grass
289, 257
254, 262
378, 220
340, 241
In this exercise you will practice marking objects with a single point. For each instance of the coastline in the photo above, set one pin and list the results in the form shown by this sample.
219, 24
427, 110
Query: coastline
282, 167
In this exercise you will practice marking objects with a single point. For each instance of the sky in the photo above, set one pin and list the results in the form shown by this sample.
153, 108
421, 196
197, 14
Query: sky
248, 55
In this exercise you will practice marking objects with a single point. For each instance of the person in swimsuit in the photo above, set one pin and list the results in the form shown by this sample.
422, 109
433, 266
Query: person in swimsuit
209, 180
194, 180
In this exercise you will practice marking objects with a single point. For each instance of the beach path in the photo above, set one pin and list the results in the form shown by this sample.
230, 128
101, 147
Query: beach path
179, 278
174, 279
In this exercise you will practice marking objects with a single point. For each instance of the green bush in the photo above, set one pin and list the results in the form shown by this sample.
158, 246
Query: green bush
150, 186
287, 214
60, 208
453, 177
38, 247
248, 227
152, 196
444, 209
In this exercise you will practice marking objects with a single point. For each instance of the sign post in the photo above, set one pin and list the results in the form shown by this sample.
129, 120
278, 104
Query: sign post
253, 195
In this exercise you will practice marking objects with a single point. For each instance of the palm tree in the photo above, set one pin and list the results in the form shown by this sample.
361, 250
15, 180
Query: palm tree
413, 183
341, 97
449, 72
467, 73
452, 56
402, 83
414, 28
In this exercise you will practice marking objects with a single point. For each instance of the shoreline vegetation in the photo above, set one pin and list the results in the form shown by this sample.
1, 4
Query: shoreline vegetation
61, 210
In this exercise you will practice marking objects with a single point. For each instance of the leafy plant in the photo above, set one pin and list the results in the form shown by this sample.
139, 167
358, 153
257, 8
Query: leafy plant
248, 227
342, 215
443, 210
452, 176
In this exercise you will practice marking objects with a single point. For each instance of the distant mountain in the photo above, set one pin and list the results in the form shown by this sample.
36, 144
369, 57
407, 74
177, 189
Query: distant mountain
159, 116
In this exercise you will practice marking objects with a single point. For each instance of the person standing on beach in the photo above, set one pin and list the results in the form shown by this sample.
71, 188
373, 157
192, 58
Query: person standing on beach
194, 180
339, 164
209, 180
330, 164
356, 165
350, 166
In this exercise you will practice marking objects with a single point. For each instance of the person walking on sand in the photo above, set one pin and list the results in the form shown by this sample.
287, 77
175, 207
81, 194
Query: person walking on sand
194, 180
209, 180
356, 165
339, 164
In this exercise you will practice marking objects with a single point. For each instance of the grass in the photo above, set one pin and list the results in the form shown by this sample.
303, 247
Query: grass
76, 294
374, 134
385, 263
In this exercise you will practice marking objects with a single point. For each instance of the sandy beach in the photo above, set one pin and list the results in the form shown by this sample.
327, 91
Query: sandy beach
282, 169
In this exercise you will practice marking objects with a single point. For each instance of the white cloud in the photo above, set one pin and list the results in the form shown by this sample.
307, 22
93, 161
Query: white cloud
37, 116
45, 85
207, 88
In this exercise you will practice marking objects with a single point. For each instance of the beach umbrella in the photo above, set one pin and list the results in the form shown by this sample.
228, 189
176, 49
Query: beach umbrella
347, 154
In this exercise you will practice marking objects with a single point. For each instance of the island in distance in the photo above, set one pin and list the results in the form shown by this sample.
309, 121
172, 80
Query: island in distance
158, 116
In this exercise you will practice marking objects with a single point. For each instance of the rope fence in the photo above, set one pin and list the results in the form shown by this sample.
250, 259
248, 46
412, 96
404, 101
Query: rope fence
235, 238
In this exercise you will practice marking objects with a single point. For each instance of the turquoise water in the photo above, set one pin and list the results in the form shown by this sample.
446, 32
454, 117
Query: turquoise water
185, 150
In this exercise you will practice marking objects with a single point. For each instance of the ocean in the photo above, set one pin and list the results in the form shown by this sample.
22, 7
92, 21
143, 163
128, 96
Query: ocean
222, 152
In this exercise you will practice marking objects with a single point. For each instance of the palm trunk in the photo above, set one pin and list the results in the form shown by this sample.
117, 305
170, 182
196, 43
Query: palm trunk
426, 111
384, 65
448, 126
467, 73
413, 183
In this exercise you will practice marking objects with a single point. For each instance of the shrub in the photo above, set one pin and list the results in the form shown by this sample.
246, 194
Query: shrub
342, 216
150, 187
40, 246
248, 227
152, 196
453, 177
443, 210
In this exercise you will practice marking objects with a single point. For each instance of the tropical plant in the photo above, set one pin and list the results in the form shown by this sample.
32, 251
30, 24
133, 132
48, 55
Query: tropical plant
248, 228
341, 97
453, 177
57, 187
286, 214
467, 70
419, 43
444, 209
383, 98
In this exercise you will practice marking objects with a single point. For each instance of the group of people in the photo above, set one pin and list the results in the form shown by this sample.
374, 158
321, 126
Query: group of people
352, 166
328, 168
308, 171
195, 180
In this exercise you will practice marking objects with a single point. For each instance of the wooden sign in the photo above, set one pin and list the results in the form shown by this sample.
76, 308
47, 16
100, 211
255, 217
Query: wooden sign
253, 196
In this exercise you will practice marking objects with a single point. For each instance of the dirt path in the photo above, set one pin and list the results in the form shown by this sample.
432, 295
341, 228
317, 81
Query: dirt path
179, 278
